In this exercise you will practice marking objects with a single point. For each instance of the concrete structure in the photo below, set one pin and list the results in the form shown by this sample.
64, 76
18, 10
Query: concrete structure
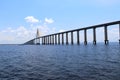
56, 39
37, 40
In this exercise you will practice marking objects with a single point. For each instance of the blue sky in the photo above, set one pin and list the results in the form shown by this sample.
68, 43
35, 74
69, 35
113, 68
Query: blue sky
19, 19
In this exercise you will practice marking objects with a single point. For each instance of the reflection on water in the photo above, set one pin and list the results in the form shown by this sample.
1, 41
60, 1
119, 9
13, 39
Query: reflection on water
57, 62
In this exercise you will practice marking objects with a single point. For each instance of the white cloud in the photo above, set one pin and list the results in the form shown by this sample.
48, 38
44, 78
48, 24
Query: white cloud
50, 20
31, 19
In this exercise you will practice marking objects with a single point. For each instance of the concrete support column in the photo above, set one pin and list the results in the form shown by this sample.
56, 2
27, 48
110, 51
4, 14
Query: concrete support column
44, 40
34, 41
106, 35
58, 38
52, 39
119, 33
55, 39
78, 41
39, 40
62, 38
85, 36
67, 38
94, 36
71, 37
30, 42
48, 40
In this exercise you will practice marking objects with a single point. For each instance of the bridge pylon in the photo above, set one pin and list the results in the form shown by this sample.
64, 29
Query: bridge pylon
37, 40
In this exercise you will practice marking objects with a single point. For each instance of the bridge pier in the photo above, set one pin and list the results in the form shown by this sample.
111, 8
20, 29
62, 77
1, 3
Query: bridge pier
45, 40
50, 39
106, 35
33, 41
119, 33
78, 41
85, 36
55, 39
66, 38
94, 36
59, 39
72, 38
62, 38
42, 40
39, 41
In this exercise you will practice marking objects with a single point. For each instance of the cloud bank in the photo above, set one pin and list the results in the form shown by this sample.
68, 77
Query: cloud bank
22, 33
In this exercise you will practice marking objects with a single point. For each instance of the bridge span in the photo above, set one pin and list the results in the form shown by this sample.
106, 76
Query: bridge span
64, 39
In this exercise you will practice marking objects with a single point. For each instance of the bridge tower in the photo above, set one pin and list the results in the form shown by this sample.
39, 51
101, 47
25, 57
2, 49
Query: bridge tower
37, 41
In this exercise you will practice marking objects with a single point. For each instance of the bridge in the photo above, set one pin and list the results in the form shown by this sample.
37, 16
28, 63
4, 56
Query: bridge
56, 39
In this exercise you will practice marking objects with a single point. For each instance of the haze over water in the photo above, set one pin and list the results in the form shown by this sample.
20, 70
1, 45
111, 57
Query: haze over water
60, 62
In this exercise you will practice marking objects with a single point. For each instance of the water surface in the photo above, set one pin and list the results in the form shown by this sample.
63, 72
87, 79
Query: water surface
58, 62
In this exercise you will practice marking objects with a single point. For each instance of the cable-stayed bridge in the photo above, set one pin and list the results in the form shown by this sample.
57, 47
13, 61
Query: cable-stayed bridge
63, 38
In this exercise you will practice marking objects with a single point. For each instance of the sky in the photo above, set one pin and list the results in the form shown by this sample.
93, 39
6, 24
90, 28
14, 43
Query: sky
19, 19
